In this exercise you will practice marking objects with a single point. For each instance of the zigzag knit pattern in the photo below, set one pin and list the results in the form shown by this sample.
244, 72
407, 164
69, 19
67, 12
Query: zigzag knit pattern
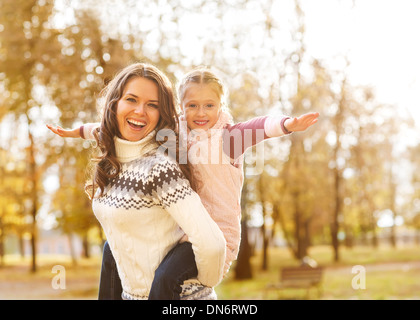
146, 182
145, 211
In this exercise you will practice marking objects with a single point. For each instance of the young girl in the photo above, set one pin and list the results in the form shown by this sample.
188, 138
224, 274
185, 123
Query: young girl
216, 147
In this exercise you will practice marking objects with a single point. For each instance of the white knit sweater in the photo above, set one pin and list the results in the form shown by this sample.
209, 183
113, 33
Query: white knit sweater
145, 211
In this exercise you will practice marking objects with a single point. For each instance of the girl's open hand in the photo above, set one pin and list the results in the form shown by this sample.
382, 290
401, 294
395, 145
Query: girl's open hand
65, 133
301, 123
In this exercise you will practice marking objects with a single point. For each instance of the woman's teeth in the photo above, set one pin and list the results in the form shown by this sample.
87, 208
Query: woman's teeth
136, 123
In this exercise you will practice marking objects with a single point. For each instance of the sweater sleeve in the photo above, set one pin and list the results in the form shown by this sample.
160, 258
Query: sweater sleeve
86, 130
243, 135
184, 205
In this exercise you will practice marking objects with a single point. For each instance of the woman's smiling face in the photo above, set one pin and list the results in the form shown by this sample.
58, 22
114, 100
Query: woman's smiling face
138, 109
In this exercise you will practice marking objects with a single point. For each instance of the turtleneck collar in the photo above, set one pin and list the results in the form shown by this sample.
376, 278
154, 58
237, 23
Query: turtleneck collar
130, 150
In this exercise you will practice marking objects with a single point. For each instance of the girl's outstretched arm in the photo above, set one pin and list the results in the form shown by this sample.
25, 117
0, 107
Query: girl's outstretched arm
301, 123
65, 133
267, 126
84, 131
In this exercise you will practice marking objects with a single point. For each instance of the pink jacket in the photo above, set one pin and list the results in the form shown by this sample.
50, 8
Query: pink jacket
217, 159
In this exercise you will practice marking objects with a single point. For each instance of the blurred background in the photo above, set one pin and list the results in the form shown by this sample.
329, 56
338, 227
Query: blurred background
346, 192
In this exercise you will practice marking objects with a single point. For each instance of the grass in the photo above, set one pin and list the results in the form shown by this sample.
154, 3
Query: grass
81, 280
390, 274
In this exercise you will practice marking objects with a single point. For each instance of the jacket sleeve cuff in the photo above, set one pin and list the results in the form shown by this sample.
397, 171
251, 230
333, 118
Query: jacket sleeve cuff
274, 126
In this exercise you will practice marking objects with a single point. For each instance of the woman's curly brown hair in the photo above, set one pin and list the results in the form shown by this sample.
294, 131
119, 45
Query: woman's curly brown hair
106, 164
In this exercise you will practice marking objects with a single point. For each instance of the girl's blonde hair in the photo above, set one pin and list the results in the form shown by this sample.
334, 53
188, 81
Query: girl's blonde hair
204, 75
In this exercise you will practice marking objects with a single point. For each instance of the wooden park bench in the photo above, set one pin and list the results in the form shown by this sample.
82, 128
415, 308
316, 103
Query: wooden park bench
303, 277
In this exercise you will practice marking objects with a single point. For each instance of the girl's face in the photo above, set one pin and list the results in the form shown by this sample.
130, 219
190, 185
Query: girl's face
138, 109
201, 105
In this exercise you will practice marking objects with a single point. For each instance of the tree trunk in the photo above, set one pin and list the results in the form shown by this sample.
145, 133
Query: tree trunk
71, 246
265, 236
266, 240
301, 237
34, 195
1, 242
21, 244
338, 123
86, 251
243, 268
279, 214
336, 212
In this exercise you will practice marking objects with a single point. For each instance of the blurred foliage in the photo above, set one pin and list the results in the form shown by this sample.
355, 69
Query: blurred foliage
56, 56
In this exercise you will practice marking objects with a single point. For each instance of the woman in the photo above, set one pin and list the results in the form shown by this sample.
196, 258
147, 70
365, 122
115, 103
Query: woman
144, 199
